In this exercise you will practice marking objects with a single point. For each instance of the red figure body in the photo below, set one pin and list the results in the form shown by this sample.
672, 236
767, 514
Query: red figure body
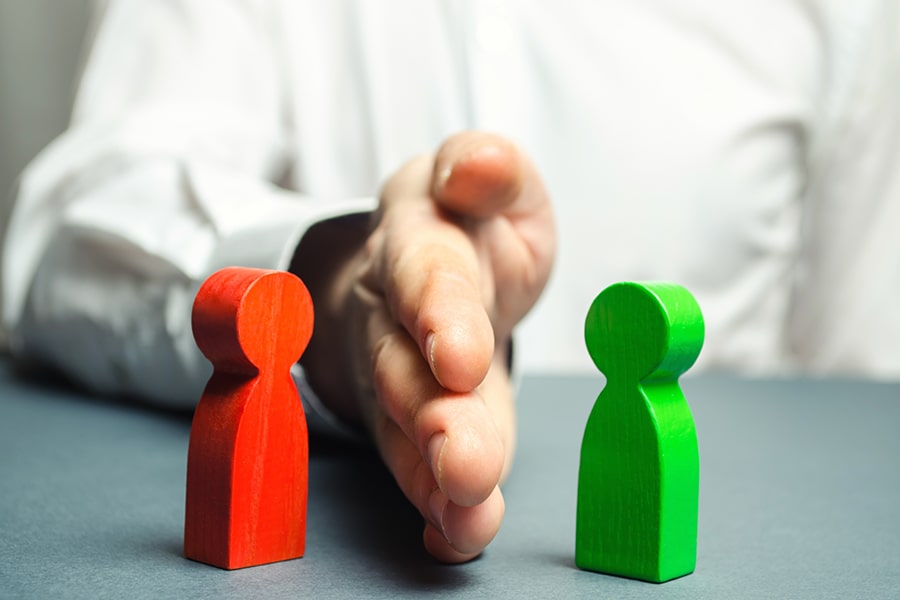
247, 471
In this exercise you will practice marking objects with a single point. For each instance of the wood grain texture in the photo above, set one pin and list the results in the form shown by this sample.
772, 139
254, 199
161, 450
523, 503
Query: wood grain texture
638, 482
247, 471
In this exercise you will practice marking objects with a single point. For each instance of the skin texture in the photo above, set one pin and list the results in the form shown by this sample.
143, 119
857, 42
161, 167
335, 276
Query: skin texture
420, 304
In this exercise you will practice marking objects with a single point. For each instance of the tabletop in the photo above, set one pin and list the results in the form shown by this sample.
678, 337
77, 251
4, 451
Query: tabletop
799, 498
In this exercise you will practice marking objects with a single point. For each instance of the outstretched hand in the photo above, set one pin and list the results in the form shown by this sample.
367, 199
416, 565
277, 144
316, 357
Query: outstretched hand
461, 246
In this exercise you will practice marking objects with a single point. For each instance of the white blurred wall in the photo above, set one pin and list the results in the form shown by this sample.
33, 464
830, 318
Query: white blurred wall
41, 48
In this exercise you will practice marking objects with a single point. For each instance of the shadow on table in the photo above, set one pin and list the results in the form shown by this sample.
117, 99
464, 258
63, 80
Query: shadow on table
368, 519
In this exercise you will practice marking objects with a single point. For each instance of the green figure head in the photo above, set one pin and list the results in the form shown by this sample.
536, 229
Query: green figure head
641, 331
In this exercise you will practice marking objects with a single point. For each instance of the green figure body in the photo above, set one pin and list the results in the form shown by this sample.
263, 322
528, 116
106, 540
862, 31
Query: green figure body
639, 478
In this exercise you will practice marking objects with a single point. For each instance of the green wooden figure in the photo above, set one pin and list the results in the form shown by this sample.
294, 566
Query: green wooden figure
638, 483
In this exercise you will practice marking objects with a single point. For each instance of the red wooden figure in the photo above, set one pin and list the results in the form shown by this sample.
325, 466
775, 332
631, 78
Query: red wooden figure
247, 469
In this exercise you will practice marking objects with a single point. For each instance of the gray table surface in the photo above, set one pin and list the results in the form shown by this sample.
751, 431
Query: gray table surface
800, 498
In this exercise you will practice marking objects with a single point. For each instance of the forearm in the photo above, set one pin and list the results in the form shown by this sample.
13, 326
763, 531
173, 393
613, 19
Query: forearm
100, 271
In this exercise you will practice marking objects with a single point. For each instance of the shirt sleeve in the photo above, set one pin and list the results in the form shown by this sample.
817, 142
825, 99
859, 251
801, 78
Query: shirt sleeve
167, 173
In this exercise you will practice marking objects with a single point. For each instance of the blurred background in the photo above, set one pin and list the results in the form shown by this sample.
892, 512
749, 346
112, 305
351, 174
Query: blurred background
41, 44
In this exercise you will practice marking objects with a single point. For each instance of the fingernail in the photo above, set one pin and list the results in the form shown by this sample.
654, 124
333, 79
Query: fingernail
429, 349
437, 504
435, 453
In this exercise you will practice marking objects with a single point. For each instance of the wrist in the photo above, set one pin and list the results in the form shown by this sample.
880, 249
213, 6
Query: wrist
327, 260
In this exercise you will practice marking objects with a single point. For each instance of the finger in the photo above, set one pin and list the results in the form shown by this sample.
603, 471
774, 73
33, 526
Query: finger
498, 394
438, 546
429, 273
454, 432
487, 179
467, 531
454, 533
481, 174
436, 295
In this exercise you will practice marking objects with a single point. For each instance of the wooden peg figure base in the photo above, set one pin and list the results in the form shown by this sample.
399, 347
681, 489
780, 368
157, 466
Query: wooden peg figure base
638, 482
248, 454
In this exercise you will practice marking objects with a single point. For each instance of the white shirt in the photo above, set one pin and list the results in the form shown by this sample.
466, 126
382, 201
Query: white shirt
747, 151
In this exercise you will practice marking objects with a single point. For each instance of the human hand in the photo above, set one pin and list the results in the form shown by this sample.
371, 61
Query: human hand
460, 249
